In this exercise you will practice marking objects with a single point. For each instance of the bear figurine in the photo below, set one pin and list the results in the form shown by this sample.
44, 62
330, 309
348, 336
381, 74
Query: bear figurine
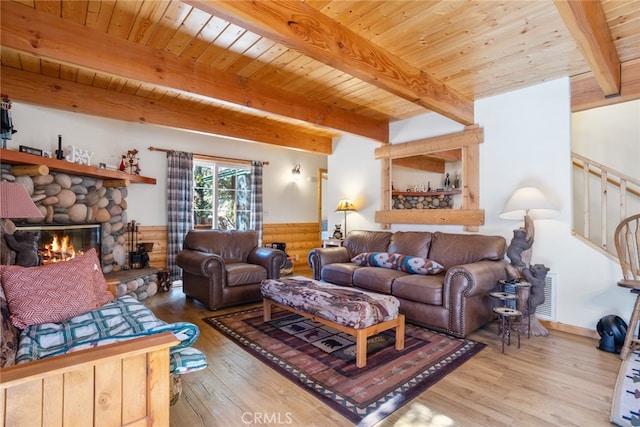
25, 244
535, 275
518, 244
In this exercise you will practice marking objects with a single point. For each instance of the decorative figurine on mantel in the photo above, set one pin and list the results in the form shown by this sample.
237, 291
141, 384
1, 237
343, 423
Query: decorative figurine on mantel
130, 161
447, 182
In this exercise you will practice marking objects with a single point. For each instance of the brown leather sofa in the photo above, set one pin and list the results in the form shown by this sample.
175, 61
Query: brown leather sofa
455, 301
222, 268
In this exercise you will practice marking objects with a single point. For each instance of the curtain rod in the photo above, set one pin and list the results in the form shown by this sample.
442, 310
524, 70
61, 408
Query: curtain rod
208, 157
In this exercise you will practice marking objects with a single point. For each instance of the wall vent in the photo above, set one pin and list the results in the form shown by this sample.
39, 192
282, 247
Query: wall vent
547, 310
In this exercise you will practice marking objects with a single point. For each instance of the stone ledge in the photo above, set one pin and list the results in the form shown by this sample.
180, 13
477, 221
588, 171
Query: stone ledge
139, 283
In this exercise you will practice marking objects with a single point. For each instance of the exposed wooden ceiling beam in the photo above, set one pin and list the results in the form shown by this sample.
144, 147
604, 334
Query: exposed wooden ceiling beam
307, 30
472, 135
586, 93
64, 95
587, 23
45, 35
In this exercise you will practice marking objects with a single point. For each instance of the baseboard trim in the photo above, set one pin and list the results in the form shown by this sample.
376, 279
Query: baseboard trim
571, 329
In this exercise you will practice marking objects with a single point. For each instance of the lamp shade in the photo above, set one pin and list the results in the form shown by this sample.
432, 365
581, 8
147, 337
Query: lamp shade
345, 205
16, 203
528, 201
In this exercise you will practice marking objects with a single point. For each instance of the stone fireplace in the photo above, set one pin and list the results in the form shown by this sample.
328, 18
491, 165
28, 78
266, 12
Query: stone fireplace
77, 202
72, 200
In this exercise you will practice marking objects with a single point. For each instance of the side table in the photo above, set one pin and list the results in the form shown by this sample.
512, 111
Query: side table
522, 291
513, 316
506, 318
330, 243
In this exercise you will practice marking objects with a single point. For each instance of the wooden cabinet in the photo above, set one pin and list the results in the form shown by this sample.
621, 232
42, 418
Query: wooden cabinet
55, 165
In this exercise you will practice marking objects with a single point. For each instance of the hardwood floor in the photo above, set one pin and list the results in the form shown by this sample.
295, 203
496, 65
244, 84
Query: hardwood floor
557, 380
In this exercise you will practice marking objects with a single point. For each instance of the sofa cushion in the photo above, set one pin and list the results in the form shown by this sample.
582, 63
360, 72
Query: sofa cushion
458, 249
339, 273
239, 273
376, 279
359, 241
49, 293
424, 289
415, 243
408, 264
231, 245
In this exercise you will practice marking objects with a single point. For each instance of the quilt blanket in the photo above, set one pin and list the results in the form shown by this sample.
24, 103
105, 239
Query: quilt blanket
346, 306
123, 319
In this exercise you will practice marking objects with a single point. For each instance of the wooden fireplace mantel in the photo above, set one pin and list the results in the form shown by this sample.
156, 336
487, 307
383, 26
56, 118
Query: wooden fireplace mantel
55, 165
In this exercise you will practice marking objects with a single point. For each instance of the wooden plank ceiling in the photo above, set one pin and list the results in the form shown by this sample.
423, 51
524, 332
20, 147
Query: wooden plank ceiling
297, 74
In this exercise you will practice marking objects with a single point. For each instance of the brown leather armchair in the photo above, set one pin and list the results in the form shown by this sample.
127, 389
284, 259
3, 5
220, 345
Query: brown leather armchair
223, 268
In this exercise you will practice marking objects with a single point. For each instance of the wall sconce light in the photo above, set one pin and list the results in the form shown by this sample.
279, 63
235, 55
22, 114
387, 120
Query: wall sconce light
295, 172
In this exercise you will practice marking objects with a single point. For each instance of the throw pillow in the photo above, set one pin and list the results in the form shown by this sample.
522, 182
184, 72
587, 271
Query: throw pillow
91, 261
49, 293
394, 261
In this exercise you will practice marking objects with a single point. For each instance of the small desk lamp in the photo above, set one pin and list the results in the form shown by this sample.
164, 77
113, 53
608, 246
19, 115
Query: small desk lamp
345, 206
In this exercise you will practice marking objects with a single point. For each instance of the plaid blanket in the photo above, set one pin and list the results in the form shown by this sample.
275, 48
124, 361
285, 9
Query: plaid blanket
123, 319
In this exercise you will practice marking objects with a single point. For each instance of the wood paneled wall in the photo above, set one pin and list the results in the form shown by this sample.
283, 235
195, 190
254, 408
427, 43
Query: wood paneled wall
300, 238
156, 234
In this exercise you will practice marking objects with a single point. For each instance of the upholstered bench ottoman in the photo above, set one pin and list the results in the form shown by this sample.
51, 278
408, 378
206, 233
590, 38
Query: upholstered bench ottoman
355, 312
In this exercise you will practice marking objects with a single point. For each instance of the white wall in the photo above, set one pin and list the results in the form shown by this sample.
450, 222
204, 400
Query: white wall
610, 136
284, 199
527, 142
602, 133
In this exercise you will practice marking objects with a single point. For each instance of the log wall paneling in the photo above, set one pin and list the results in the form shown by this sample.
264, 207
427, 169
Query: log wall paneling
156, 234
300, 239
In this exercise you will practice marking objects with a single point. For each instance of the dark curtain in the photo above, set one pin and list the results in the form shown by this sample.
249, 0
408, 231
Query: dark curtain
179, 205
256, 198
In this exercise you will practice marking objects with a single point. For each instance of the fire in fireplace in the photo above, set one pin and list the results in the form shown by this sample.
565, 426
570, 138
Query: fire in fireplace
60, 242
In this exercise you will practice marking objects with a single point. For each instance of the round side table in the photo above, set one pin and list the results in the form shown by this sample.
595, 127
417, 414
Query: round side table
522, 292
506, 319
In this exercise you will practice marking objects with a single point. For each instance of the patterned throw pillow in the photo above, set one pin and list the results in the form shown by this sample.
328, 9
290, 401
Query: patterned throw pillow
91, 261
54, 292
406, 263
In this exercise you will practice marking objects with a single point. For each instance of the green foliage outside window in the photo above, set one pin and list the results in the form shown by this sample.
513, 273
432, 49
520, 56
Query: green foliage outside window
233, 204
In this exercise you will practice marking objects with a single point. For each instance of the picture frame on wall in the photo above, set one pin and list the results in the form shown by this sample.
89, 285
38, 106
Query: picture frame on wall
30, 150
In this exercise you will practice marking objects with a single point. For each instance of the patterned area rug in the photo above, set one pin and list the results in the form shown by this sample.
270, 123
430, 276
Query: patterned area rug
625, 408
322, 361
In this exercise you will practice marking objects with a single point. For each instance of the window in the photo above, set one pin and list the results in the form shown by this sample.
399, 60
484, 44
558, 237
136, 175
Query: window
221, 196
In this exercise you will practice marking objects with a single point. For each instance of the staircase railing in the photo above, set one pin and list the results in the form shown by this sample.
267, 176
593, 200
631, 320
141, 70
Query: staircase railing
602, 197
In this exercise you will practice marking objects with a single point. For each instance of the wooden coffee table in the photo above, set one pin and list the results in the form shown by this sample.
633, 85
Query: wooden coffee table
361, 335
